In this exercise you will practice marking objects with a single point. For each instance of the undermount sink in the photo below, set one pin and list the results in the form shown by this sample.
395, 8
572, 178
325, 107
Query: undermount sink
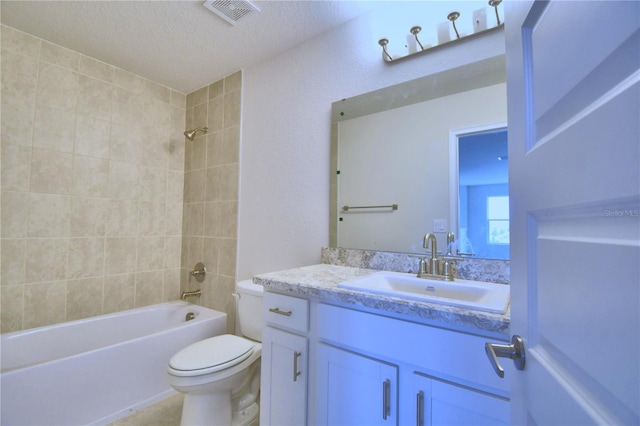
477, 295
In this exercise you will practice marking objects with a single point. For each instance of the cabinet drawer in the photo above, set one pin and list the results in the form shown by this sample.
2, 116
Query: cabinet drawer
286, 311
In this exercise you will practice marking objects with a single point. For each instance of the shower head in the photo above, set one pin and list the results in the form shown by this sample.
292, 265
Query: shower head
190, 134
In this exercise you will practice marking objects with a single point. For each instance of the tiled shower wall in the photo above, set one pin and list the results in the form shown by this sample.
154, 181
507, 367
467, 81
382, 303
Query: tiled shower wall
92, 186
211, 193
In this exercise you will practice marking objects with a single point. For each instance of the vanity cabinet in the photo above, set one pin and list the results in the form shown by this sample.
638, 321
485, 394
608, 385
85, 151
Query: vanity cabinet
434, 376
285, 355
324, 364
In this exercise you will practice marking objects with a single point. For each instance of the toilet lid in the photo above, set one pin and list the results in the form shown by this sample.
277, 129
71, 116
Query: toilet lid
213, 354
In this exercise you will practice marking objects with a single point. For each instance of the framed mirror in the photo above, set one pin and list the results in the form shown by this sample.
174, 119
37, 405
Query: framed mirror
391, 147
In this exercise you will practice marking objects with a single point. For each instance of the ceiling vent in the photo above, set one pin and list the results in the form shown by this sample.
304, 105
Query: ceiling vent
231, 11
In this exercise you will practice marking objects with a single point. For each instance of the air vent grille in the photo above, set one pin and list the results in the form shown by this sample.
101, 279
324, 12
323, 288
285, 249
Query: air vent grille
231, 11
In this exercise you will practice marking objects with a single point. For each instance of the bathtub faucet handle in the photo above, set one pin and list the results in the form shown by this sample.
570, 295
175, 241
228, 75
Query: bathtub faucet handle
199, 272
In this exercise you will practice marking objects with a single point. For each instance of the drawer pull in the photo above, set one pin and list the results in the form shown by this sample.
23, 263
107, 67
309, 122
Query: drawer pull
279, 312
420, 409
386, 399
296, 372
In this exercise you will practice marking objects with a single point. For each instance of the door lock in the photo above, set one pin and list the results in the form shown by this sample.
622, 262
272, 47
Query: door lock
514, 351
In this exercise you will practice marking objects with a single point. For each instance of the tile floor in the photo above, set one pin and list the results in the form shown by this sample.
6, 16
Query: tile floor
163, 413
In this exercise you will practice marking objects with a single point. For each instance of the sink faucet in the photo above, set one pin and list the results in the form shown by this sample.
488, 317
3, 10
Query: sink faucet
432, 270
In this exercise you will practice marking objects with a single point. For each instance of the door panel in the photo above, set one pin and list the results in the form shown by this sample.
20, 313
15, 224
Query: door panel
573, 81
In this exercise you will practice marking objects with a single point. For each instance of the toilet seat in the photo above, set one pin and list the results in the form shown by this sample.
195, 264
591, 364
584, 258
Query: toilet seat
211, 355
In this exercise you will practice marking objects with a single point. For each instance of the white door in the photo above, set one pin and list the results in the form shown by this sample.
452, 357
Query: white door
574, 152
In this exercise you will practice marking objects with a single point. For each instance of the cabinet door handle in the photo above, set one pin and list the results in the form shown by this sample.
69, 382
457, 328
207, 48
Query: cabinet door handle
296, 372
279, 312
420, 409
386, 399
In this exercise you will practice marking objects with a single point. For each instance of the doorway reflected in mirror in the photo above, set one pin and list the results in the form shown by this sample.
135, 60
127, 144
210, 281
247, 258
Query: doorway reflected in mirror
483, 194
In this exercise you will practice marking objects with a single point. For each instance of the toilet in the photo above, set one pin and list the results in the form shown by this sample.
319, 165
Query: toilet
220, 376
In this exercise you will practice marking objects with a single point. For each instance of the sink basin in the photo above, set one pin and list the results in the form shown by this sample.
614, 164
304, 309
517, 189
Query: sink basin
477, 295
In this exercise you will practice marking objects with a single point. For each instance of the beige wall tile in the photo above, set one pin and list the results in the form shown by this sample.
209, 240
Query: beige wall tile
150, 253
153, 184
195, 251
19, 76
57, 87
232, 109
151, 218
175, 161
173, 219
13, 257
171, 288
154, 147
44, 304
227, 259
197, 97
172, 252
17, 121
214, 184
20, 42
84, 298
228, 219
198, 153
231, 151
92, 137
124, 143
90, 176
120, 255
123, 180
212, 219
11, 307
196, 218
178, 100
94, 98
216, 114
86, 257
128, 81
216, 89
14, 212
49, 215
54, 129
233, 82
200, 117
51, 172
229, 182
175, 187
197, 186
214, 149
119, 292
210, 254
157, 91
96, 69
122, 218
178, 123
149, 287
46, 259
16, 167
88, 216
55, 54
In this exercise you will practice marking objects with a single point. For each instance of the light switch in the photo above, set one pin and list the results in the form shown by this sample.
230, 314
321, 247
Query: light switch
440, 225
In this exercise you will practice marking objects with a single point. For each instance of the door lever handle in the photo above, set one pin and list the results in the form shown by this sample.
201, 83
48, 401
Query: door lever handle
514, 351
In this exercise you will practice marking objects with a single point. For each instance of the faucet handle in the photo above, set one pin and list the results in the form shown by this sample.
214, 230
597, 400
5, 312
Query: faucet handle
422, 267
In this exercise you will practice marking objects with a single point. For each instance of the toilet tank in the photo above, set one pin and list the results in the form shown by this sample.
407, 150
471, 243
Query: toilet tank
250, 303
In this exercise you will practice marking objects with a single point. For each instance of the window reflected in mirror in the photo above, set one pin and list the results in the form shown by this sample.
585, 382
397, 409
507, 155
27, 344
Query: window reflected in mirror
483, 195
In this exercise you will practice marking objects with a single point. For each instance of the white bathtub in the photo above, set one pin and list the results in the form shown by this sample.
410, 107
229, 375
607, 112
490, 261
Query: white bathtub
97, 370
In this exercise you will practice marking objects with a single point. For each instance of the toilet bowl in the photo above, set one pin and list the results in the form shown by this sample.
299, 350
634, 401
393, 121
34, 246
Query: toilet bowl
220, 376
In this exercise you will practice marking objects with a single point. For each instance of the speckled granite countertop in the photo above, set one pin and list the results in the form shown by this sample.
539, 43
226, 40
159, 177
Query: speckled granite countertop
320, 281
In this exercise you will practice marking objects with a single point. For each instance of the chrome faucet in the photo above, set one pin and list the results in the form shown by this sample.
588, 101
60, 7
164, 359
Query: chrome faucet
186, 294
450, 240
436, 268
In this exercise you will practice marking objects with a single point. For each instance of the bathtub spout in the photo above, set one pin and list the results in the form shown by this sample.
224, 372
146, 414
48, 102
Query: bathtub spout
186, 294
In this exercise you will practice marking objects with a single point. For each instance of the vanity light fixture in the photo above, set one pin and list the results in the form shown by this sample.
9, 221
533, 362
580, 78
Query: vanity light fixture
452, 17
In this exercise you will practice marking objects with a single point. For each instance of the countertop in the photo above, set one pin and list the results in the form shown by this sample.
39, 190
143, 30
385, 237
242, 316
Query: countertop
320, 282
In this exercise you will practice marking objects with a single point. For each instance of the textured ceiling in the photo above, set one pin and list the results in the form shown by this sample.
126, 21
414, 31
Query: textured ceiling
180, 44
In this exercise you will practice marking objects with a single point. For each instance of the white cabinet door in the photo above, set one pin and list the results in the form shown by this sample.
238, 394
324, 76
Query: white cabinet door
442, 403
284, 378
355, 390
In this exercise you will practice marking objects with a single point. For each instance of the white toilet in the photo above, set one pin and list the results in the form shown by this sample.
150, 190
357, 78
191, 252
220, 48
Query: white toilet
220, 376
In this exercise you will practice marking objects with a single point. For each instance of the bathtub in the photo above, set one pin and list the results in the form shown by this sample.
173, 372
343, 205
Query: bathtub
97, 370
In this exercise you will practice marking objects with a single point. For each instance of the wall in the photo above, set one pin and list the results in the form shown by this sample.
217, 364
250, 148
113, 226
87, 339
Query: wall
92, 186
410, 148
285, 150
211, 193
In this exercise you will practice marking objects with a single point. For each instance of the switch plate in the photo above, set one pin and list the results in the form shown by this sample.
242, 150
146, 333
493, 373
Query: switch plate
440, 225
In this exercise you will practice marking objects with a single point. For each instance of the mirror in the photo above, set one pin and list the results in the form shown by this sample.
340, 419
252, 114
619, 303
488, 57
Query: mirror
391, 147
